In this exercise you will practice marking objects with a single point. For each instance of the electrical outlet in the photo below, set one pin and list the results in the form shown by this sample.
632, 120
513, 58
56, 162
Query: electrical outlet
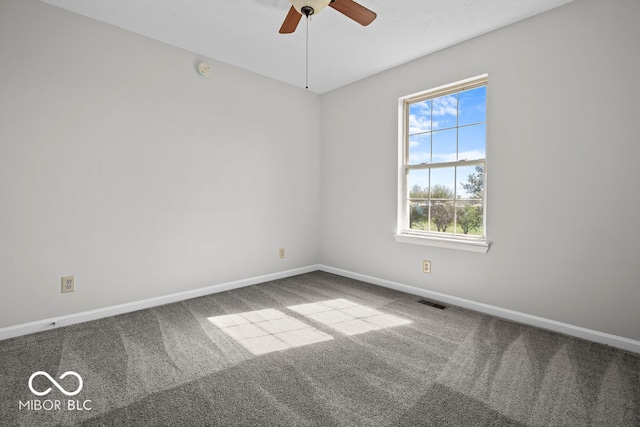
68, 284
426, 266
281, 253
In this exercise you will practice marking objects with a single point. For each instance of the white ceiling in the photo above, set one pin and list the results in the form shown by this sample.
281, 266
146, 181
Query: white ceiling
244, 33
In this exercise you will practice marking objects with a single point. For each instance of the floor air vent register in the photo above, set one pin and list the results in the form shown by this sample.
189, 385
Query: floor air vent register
432, 304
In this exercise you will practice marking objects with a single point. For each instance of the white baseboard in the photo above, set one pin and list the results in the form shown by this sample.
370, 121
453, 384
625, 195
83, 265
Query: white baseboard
55, 322
540, 322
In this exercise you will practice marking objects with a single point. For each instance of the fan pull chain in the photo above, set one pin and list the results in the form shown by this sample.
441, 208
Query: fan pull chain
307, 57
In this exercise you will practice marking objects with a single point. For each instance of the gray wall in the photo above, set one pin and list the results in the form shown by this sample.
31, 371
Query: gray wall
563, 199
123, 166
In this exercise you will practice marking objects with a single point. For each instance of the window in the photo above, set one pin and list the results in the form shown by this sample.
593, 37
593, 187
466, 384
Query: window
443, 166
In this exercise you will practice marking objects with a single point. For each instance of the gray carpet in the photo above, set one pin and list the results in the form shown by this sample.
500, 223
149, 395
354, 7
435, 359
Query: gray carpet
315, 350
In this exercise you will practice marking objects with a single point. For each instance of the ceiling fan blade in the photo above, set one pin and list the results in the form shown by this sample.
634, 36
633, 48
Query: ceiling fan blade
355, 11
290, 22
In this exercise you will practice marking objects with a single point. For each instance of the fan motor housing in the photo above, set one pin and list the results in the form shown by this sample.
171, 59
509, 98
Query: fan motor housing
309, 7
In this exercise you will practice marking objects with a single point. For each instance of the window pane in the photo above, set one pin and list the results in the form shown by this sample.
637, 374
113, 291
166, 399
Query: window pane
442, 183
472, 106
470, 191
442, 204
444, 146
418, 184
469, 217
420, 149
470, 182
472, 142
442, 216
420, 117
445, 112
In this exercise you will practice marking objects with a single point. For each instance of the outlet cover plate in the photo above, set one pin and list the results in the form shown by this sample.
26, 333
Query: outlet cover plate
68, 284
426, 266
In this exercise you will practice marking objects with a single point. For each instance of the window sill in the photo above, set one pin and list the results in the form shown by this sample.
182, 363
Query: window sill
442, 242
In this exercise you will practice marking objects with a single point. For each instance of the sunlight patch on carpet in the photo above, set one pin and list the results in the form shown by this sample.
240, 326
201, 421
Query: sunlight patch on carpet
348, 317
269, 330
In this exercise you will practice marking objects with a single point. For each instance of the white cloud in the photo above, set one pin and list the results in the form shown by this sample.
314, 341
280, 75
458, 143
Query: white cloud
418, 124
423, 106
446, 105
422, 117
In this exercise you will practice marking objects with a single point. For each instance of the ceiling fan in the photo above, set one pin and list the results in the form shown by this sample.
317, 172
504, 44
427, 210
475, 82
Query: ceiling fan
349, 8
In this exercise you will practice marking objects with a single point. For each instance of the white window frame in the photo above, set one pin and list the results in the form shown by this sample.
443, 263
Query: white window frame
404, 233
